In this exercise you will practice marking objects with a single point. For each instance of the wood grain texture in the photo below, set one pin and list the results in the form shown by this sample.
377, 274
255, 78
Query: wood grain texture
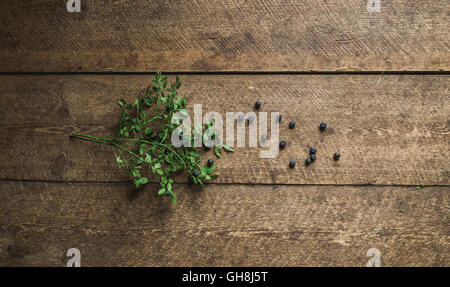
389, 129
275, 35
224, 225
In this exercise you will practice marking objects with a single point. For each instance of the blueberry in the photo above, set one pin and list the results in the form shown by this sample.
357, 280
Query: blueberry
292, 125
312, 157
167, 193
336, 156
210, 162
282, 144
312, 150
258, 105
180, 137
308, 161
280, 116
322, 126
195, 173
291, 164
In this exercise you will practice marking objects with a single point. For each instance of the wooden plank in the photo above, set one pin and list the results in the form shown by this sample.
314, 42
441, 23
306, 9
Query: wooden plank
225, 225
275, 35
389, 129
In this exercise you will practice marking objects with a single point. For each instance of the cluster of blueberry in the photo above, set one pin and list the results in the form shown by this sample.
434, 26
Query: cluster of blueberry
210, 162
312, 150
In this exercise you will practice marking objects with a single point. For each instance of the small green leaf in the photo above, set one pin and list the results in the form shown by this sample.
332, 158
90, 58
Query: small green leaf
143, 180
161, 191
136, 102
141, 148
174, 198
147, 102
208, 169
135, 173
217, 151
118, 159
177, 82
204, 170
184, 112
228, 148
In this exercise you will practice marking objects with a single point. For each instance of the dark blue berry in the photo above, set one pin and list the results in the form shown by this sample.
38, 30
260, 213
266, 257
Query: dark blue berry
280, 116
167, 193
336, 156
312, 150
292, 125
282, 144
180, 137
313, 157
322, 126
308, 161
258, 105
210, 162
291, 164
195, 173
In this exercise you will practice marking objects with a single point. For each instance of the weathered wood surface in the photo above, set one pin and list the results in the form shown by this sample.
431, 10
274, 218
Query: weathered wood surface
307, 35
389, 129
225, 225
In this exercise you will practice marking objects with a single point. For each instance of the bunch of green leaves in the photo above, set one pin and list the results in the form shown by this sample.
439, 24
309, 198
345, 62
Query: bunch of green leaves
142, 140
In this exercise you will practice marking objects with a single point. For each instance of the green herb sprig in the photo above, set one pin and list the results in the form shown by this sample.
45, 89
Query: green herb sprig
142, 139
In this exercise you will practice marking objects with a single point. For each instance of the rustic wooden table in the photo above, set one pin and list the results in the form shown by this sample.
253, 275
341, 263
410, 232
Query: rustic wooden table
379, 79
